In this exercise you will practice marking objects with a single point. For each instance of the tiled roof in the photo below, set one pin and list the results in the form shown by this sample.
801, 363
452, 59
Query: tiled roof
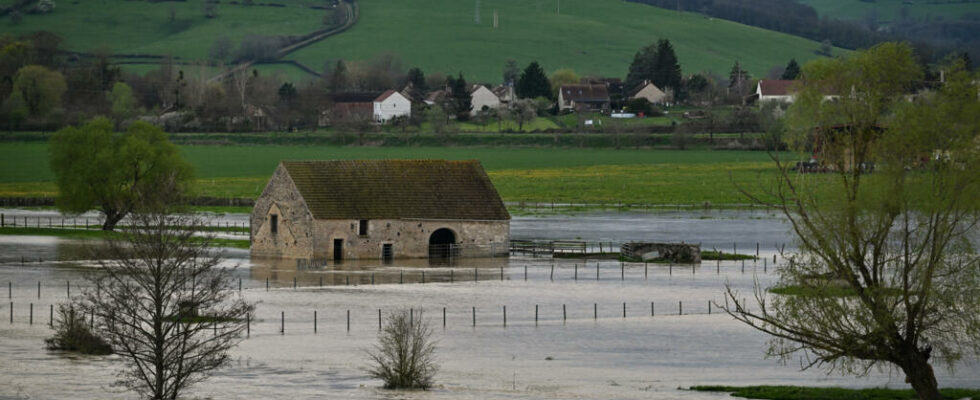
584, 93
775, 87
384, 96
391, 189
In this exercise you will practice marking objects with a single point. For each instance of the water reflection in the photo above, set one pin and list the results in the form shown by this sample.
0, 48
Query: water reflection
282, 272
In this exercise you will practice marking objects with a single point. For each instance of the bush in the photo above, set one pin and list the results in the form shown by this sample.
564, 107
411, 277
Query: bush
71, 334
405, 355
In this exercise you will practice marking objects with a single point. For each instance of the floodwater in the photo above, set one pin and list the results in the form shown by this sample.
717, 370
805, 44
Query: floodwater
579, 346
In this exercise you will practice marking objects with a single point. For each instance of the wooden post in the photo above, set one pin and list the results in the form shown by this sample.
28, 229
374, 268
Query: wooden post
474, 317
347, 280
282, 323
535, 315
321, 280
30, 318
423, 276
444, 318
680, 308
501, 273
379, 319
68, 288
624, 309
595, 311
401, 277
239, 286
10, 290
476, 275
51, 315
314, 322
348, 320
525, 272
505, 316
248, 325
576, 271
652, 310
644, 270
39, 290
756, 249
564, 313
11, 313
596, 271
743, 266
294, 282
622, 271
671, 269
709, 307
372, 279
451, 276
552, 272
266, 284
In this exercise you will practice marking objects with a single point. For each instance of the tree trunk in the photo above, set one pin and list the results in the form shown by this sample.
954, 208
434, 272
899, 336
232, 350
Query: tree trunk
111, 219
920, 375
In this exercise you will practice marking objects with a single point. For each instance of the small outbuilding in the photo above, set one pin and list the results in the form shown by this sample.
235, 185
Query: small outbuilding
380, 209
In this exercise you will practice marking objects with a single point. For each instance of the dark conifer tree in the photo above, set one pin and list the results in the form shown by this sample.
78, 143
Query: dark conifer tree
792, 70
533, 83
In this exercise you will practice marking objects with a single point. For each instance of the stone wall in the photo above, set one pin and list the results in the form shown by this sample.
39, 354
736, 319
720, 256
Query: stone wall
294, 238
409, 237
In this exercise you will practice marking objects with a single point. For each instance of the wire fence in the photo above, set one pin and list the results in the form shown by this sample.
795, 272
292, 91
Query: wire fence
85, 223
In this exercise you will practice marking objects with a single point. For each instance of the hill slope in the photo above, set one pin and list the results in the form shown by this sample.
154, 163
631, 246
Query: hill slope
888, 10
590, 36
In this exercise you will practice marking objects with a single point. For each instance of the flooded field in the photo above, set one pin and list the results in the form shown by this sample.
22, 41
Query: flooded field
569, 334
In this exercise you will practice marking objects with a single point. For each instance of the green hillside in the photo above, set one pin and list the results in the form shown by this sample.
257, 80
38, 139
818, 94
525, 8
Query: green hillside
890, 9
144, 27
590, 36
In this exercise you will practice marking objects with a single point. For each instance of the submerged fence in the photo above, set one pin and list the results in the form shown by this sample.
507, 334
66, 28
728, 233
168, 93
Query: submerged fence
83, 223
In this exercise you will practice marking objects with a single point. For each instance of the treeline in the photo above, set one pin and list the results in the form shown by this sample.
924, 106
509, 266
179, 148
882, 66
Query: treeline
933, 37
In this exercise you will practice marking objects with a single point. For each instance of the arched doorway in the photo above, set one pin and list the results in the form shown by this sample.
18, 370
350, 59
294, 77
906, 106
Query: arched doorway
442, 244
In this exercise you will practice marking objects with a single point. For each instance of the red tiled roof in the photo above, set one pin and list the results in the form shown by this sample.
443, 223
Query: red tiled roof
584, 93
385, 95
775, 87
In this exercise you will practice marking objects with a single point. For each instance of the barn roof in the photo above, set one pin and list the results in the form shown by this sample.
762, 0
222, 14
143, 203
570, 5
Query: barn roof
775, 87
394, 189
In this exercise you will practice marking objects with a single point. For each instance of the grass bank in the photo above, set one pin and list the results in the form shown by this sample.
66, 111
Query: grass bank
561, 175
813, 393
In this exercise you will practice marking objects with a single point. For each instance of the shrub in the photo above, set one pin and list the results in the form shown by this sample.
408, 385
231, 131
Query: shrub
71, 334
405, 355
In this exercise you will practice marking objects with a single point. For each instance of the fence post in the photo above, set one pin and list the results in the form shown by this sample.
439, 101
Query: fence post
505, 316
68, 288
11, 313
624, 309
282, 323
348, 320
652, 310
622, 271
680, 308
10, 289
564, 314
596, 271
645, 270
595, 310
51, 315
444, 318
756, 249
239, 285
535, 315
552, 272
525, 272
266, 284
248, 325
401, 277
314, 322
294, 282
30, 318
709, 307
452, 274
474, 317
379, 319
501, 273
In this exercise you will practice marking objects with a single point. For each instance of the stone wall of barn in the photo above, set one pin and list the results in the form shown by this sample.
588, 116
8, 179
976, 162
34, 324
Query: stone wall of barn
409, 237
294, 236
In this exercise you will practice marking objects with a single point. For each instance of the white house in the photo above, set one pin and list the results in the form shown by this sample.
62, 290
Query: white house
483, 97
391, 104
649, 91
774, 90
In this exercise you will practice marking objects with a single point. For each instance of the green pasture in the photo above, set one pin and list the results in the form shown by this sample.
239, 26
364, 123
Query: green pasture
144, 27
520, 174
592, 37
889, 10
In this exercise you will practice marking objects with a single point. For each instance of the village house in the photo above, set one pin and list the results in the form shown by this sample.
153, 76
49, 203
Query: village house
390, 105
483, 99
505, 93
647, 90
583, 97
366, 106
379, 209
773, 90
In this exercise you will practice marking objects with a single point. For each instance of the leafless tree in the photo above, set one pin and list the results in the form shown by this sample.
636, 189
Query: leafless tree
405, 355
165, 304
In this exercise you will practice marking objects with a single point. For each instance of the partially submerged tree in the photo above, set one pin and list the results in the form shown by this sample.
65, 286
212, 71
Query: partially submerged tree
897, 241
165, 303
405, 355
116, 173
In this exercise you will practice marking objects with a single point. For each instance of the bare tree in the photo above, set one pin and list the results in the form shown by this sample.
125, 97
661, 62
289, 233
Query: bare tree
241, 77
405, 355
885, 274
165, 305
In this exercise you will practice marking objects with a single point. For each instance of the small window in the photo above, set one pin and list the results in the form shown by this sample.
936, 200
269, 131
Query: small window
274, 223
363, 230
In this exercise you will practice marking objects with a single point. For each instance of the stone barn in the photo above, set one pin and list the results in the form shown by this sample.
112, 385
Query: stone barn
379, 209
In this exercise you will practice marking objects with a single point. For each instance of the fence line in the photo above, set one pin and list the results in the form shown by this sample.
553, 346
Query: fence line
489, 318
593, 271
233, 228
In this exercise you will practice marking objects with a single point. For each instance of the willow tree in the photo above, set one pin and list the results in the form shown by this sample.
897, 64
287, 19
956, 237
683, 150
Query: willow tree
885, 274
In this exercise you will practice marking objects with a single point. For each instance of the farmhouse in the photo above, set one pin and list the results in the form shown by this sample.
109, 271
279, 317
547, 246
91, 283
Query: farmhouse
379, 209
483, 99
391, 104
774, 90
583, 97
647, 90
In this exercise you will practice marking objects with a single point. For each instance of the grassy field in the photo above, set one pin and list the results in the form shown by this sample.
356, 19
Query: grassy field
890, 9
520, 174
144, 27
592, 37
812, 393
